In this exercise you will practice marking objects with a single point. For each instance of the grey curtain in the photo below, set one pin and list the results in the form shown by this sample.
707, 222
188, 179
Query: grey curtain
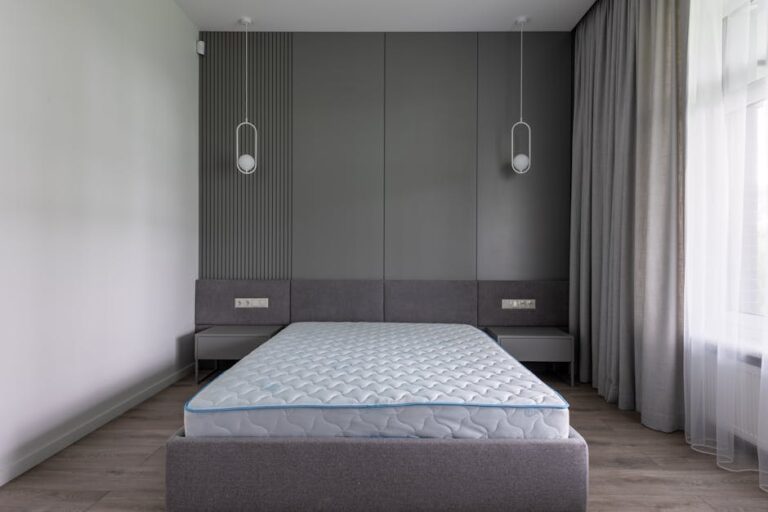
626, 270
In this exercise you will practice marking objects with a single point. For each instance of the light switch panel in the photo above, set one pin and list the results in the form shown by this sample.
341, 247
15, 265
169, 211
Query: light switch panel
262, 302
518, 303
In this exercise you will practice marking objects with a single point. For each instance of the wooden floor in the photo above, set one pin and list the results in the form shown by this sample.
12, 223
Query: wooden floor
120, 466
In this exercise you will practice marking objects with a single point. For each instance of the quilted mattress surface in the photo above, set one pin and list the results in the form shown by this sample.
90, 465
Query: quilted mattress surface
378, 380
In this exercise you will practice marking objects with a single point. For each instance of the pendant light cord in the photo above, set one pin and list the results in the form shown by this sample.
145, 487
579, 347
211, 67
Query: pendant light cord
522, 26
246, 72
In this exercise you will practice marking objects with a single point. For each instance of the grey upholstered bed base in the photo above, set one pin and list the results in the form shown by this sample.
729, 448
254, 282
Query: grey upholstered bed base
351, 474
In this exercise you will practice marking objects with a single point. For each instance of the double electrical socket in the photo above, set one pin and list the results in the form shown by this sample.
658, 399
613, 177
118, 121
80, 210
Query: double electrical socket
252, 303
518, 303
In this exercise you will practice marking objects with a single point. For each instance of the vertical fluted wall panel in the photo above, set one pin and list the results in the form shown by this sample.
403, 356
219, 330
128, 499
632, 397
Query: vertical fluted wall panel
245, 221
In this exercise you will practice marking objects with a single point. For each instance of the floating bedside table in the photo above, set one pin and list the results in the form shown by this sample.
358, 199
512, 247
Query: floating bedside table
230, 342
537, 344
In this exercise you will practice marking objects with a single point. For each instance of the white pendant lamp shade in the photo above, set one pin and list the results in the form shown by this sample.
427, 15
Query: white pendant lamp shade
246, 163
520, 159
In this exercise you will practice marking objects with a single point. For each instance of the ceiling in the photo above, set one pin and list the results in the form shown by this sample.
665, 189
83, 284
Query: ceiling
385, 15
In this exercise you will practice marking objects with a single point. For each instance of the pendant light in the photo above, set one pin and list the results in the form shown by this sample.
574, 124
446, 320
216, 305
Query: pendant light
521, 162
246, 163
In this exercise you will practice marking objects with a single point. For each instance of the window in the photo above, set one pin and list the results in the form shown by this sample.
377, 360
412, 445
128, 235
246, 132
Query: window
726, 235
745, 91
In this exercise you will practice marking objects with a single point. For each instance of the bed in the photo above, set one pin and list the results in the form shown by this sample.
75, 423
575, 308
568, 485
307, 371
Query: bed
373, 415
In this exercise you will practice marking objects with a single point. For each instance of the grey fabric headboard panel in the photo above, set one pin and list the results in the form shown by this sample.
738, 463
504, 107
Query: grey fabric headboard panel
551, 303
431, 301
337, 300
215, 302
469, 302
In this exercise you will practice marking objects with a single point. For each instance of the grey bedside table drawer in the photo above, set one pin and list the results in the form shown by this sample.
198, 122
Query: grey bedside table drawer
537, 345
553, 350
227, 347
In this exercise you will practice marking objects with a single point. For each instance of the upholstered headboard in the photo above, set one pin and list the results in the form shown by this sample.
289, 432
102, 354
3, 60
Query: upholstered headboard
337, 301
452, 302
467, 302
215, 302
551, 303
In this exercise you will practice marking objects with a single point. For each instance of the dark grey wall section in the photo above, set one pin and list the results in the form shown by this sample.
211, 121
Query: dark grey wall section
399, 149
523, 221
245, 221
338, 156
430, 162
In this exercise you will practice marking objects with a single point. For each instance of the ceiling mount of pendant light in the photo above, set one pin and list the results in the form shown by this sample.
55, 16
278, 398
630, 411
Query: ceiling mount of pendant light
246, 163
521, 161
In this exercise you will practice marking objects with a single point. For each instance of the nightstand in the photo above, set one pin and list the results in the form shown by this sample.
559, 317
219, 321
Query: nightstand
230, 342
537, 344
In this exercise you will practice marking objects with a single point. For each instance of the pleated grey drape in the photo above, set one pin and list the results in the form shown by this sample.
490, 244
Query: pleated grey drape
626, 273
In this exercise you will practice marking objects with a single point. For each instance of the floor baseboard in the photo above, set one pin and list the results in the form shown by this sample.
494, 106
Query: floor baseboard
27, 462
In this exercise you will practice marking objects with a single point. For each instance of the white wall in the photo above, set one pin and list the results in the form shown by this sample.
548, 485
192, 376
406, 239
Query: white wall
98, 214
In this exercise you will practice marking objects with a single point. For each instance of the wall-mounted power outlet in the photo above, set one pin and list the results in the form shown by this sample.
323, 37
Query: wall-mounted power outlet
518, 303
252, 303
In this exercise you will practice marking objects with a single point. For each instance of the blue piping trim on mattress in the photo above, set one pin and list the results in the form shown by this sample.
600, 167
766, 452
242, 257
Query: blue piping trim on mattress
372, 406
187, 408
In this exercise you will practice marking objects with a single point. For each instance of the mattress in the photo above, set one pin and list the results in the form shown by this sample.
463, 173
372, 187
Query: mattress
378, 380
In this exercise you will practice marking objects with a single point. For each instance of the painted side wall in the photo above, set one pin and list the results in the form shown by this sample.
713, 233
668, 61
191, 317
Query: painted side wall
98, 214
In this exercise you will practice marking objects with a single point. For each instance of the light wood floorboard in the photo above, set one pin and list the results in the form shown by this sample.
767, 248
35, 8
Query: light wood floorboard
120, 467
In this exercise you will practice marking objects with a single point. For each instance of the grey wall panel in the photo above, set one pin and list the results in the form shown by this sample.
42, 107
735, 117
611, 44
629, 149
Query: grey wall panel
338, 155
523, 221
430, 161
245, 220
401, 160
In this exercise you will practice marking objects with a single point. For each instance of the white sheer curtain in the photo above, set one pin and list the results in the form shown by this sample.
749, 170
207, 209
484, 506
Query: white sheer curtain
726, 247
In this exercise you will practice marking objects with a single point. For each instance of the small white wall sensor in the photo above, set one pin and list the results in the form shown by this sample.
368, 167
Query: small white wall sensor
201, 47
